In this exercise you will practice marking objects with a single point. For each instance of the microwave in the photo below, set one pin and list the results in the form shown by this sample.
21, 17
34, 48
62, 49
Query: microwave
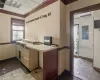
48, 40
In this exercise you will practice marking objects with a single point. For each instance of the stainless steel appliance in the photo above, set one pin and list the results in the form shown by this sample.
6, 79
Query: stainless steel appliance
47, 40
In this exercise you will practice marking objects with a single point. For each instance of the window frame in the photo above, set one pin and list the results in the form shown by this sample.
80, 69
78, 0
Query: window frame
17, 30
84, 31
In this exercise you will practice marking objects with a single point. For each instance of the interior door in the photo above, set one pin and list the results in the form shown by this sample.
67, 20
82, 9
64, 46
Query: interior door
86, 36
96, 62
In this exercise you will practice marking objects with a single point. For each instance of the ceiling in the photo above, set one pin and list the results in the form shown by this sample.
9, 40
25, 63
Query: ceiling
19, 6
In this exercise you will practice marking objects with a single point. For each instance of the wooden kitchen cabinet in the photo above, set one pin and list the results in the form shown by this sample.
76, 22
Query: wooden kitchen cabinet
45, 57
28, 57
50, 64
7, 51
19, 51
33, 59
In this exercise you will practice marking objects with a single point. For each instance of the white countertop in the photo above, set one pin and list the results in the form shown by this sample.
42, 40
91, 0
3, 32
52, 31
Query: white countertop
21, 42
40, 47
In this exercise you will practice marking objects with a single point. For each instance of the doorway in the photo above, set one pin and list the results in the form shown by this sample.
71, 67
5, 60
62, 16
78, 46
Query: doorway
83, 45
87, 44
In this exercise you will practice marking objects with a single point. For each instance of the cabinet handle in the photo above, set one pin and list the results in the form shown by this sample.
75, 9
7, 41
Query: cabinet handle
19, 54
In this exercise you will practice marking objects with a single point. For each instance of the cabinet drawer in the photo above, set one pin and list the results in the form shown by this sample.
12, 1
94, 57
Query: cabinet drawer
19, 47
25, 61
26, 53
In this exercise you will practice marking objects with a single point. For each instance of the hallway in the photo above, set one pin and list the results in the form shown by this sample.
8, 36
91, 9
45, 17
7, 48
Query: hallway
84, 70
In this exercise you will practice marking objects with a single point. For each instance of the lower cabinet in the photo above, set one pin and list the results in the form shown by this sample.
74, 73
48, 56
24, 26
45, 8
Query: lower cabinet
7, 51
28, 57
33, 59
50, 65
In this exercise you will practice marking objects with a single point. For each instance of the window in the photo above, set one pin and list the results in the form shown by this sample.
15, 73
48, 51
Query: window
97, 24
17, 29
85, 32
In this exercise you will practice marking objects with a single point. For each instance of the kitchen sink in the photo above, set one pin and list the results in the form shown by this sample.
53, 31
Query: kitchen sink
37, 43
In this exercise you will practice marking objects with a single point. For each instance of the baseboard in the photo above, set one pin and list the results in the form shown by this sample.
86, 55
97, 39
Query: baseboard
76, 56
96, 69
8, 59
64, 73
85, 58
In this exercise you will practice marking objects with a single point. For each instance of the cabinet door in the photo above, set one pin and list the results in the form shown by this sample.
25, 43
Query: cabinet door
33, 59
18, 52
7, 51
41, 59
25, 61
26, 53
50, 65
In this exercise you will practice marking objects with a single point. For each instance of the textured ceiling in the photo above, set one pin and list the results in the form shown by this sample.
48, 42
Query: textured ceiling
19, 6
23, 7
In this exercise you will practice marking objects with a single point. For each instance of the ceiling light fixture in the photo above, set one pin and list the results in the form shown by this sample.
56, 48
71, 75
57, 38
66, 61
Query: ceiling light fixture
13, 3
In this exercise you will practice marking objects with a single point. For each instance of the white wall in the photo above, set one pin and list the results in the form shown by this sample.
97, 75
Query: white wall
96, 15
49, 26
6, 50
5, 27
85, 46
74, 6
76, 20
62, 37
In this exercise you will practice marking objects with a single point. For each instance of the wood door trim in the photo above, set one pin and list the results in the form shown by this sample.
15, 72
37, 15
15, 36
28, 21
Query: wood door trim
68, 1
64, 47
11, 13
6, 43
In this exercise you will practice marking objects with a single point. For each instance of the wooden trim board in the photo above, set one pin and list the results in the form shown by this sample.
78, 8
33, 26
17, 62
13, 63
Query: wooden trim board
96, 69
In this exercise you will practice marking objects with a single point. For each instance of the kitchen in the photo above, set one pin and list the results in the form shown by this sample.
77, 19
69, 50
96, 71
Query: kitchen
36, 39
30, 43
